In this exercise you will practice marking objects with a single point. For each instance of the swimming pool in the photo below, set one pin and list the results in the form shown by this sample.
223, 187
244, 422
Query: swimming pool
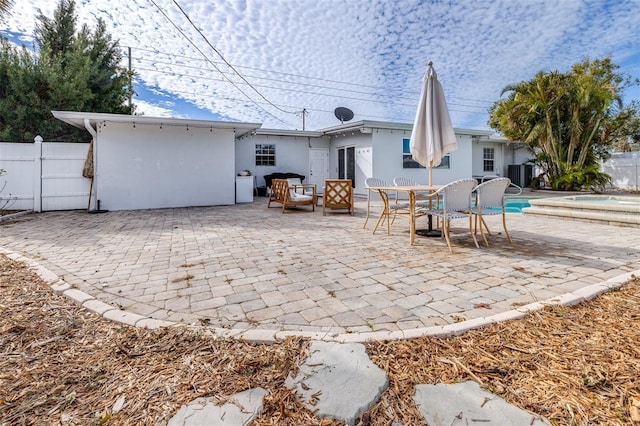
514, 204
615, 210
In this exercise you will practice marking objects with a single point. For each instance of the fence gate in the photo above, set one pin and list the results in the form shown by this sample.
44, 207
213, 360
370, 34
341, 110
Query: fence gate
45, 176
63, 186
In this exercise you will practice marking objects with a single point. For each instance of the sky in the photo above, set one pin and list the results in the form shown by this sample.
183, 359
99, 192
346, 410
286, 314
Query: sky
267, 61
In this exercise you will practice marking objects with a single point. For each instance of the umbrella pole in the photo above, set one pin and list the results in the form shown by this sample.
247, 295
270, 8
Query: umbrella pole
430, 198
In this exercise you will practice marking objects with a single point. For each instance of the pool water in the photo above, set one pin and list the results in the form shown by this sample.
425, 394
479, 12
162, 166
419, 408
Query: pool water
514, 205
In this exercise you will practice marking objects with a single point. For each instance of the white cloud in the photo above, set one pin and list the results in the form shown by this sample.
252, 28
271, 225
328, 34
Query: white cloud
369, 56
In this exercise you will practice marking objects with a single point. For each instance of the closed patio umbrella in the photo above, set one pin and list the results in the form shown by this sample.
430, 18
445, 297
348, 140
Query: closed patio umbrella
432, 136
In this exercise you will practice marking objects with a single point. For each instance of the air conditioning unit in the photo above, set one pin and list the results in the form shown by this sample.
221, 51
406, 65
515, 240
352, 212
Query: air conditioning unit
520, 174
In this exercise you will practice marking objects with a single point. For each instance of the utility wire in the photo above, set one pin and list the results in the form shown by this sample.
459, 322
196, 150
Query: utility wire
331, 95
228, 64
212, 63
289, 83
293, 75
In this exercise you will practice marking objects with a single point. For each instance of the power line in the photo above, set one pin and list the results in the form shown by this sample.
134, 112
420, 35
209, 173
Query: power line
289, 83
377, 88
291, 90
211, 62
227, 63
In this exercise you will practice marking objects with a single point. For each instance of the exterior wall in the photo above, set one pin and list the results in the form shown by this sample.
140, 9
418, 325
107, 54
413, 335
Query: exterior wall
292, 154
363, 157
379, 154
517, 153
478, 158
150, 166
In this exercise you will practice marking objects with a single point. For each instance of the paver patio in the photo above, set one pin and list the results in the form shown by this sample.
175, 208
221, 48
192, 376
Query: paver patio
246, 267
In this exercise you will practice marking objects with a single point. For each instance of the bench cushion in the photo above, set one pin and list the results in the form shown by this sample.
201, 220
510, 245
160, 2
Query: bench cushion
294, 196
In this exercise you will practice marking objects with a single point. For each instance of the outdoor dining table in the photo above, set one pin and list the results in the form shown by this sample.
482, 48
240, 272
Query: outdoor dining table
412, 191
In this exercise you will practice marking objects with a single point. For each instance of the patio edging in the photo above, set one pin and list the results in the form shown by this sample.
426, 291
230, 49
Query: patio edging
113, 313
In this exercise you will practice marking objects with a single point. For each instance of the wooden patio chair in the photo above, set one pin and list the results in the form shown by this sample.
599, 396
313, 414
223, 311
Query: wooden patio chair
288, 196
337, 194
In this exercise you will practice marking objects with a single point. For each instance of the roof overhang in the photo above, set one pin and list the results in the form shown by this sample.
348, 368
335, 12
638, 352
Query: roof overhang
290, 133
365, 126
79, 120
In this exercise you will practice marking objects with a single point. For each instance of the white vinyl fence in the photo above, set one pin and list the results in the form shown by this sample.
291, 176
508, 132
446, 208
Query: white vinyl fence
44, 176
624, 168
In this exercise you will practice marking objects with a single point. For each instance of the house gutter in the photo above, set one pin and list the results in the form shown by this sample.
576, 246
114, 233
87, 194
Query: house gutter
90, 129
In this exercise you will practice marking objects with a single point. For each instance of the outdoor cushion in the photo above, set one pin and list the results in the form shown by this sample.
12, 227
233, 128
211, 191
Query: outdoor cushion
287, 195
294, 196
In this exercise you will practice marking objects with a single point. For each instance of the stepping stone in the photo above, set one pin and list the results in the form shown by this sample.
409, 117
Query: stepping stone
240, 410
338, 381
467, 404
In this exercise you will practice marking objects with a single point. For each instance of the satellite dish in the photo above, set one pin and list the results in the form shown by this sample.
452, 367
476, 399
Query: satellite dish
343, 114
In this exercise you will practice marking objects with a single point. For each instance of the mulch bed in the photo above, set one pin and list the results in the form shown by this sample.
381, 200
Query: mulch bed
61, 364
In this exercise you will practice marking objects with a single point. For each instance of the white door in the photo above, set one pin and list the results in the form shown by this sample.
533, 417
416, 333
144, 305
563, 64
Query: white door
318, 167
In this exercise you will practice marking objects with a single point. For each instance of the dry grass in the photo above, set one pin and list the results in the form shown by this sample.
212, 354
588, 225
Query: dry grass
60, 364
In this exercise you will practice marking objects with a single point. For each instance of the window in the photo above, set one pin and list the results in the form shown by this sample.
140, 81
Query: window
347, 163
407, 161
410, 163
488, 159
265, 155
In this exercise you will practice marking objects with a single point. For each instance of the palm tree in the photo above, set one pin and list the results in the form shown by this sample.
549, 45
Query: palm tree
568, 117
5, 5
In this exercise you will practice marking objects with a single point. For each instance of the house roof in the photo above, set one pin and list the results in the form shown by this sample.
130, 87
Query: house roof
77, 119
365, 125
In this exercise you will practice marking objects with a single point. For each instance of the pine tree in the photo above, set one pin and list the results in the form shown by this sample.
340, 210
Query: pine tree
73, 71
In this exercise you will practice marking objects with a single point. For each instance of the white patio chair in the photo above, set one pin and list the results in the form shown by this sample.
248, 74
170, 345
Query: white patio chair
490, 201
456, 204
403, 181
372, 181
422, 200
390, 211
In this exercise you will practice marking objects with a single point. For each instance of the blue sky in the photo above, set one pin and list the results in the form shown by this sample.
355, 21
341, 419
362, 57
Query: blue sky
267, 60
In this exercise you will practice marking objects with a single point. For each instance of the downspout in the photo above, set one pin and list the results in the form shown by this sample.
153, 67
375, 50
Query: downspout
94, 136
91, 130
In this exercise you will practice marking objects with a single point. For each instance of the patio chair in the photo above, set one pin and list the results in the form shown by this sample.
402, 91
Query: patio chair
371, 181
490, 201
455, 204
285, 194
306, 189
422, 200
337, 194
390, 211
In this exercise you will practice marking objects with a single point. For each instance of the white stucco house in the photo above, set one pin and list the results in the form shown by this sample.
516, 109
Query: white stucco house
146, 162
372, 148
